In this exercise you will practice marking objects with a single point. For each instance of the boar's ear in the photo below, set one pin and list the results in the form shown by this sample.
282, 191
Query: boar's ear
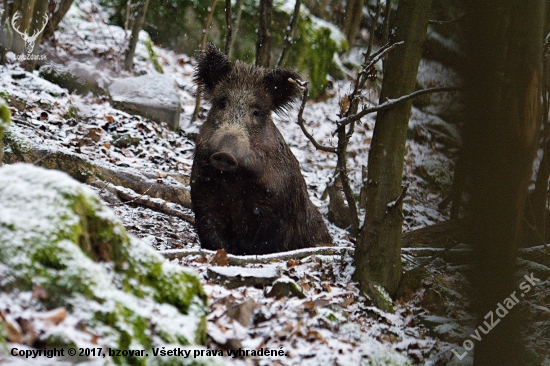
281, 90
213, 66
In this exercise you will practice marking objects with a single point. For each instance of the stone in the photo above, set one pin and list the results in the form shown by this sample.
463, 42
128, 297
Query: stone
77, 77
285, 287
234, 276
152, 96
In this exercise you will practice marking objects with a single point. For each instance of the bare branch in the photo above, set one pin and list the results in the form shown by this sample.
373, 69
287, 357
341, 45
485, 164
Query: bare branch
303, 86
393, 102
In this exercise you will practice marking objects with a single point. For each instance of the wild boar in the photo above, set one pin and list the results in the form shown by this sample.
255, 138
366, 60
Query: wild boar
247, 191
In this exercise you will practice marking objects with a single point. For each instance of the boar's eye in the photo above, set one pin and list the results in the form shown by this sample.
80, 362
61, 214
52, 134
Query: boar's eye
222, 104
255, 112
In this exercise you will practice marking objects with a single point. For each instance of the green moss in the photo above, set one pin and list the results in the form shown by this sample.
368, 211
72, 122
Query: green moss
58, 235
72, 112
153, 58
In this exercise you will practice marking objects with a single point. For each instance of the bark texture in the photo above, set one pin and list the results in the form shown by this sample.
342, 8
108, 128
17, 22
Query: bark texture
377, 258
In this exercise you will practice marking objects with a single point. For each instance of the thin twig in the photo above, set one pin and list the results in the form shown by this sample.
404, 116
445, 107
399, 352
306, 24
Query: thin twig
303, 86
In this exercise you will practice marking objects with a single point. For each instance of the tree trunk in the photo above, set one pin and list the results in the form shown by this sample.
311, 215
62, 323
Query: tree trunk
207, 23
57, 13
138, 26
37, 24
263, 41
289, 33
228, 27
354, 15
236, 24
503, 75
377, 258
23, 24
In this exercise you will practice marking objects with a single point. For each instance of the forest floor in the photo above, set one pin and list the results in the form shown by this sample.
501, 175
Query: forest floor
333, 324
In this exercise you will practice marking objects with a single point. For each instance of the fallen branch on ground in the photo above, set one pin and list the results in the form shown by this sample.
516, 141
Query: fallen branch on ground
155, 204
86, 171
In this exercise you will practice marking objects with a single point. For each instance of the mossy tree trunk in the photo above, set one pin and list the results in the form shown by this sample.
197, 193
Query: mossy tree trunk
378, 254
263, 41
503, 79
137, 27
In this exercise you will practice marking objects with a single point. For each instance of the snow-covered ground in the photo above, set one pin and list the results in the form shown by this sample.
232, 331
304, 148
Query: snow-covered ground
334, 324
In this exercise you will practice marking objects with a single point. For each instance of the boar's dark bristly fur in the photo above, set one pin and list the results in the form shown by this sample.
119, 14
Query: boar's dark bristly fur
247, 190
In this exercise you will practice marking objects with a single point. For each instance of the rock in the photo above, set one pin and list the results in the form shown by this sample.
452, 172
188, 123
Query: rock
5, 116
152, 96
58, 235
234, 276
77, 76
125, 140
285, 287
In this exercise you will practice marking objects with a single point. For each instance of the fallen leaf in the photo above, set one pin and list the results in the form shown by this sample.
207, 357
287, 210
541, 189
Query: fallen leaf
242, 312
292, 262
344, 104
220, 258
326, 286
313, 335
13, 330
348, 301
127, 153
109, 118
201, 260
39, 293
53, 317
162, 175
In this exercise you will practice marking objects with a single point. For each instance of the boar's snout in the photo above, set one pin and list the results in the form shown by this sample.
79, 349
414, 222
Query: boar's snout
224, 161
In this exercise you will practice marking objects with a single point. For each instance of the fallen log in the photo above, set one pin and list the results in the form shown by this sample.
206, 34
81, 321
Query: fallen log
85, 171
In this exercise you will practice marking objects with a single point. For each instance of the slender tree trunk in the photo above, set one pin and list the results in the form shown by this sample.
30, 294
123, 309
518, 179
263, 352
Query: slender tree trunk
263, 41
354, 15
289, 31
39, 17
503, 77
23, 24
203, 47
228, 26
378, 254
6, 34
236, 23
57, 13
138, 26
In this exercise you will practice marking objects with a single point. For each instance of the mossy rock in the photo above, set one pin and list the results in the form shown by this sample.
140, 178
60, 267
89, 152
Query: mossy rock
56, 234
15, 102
